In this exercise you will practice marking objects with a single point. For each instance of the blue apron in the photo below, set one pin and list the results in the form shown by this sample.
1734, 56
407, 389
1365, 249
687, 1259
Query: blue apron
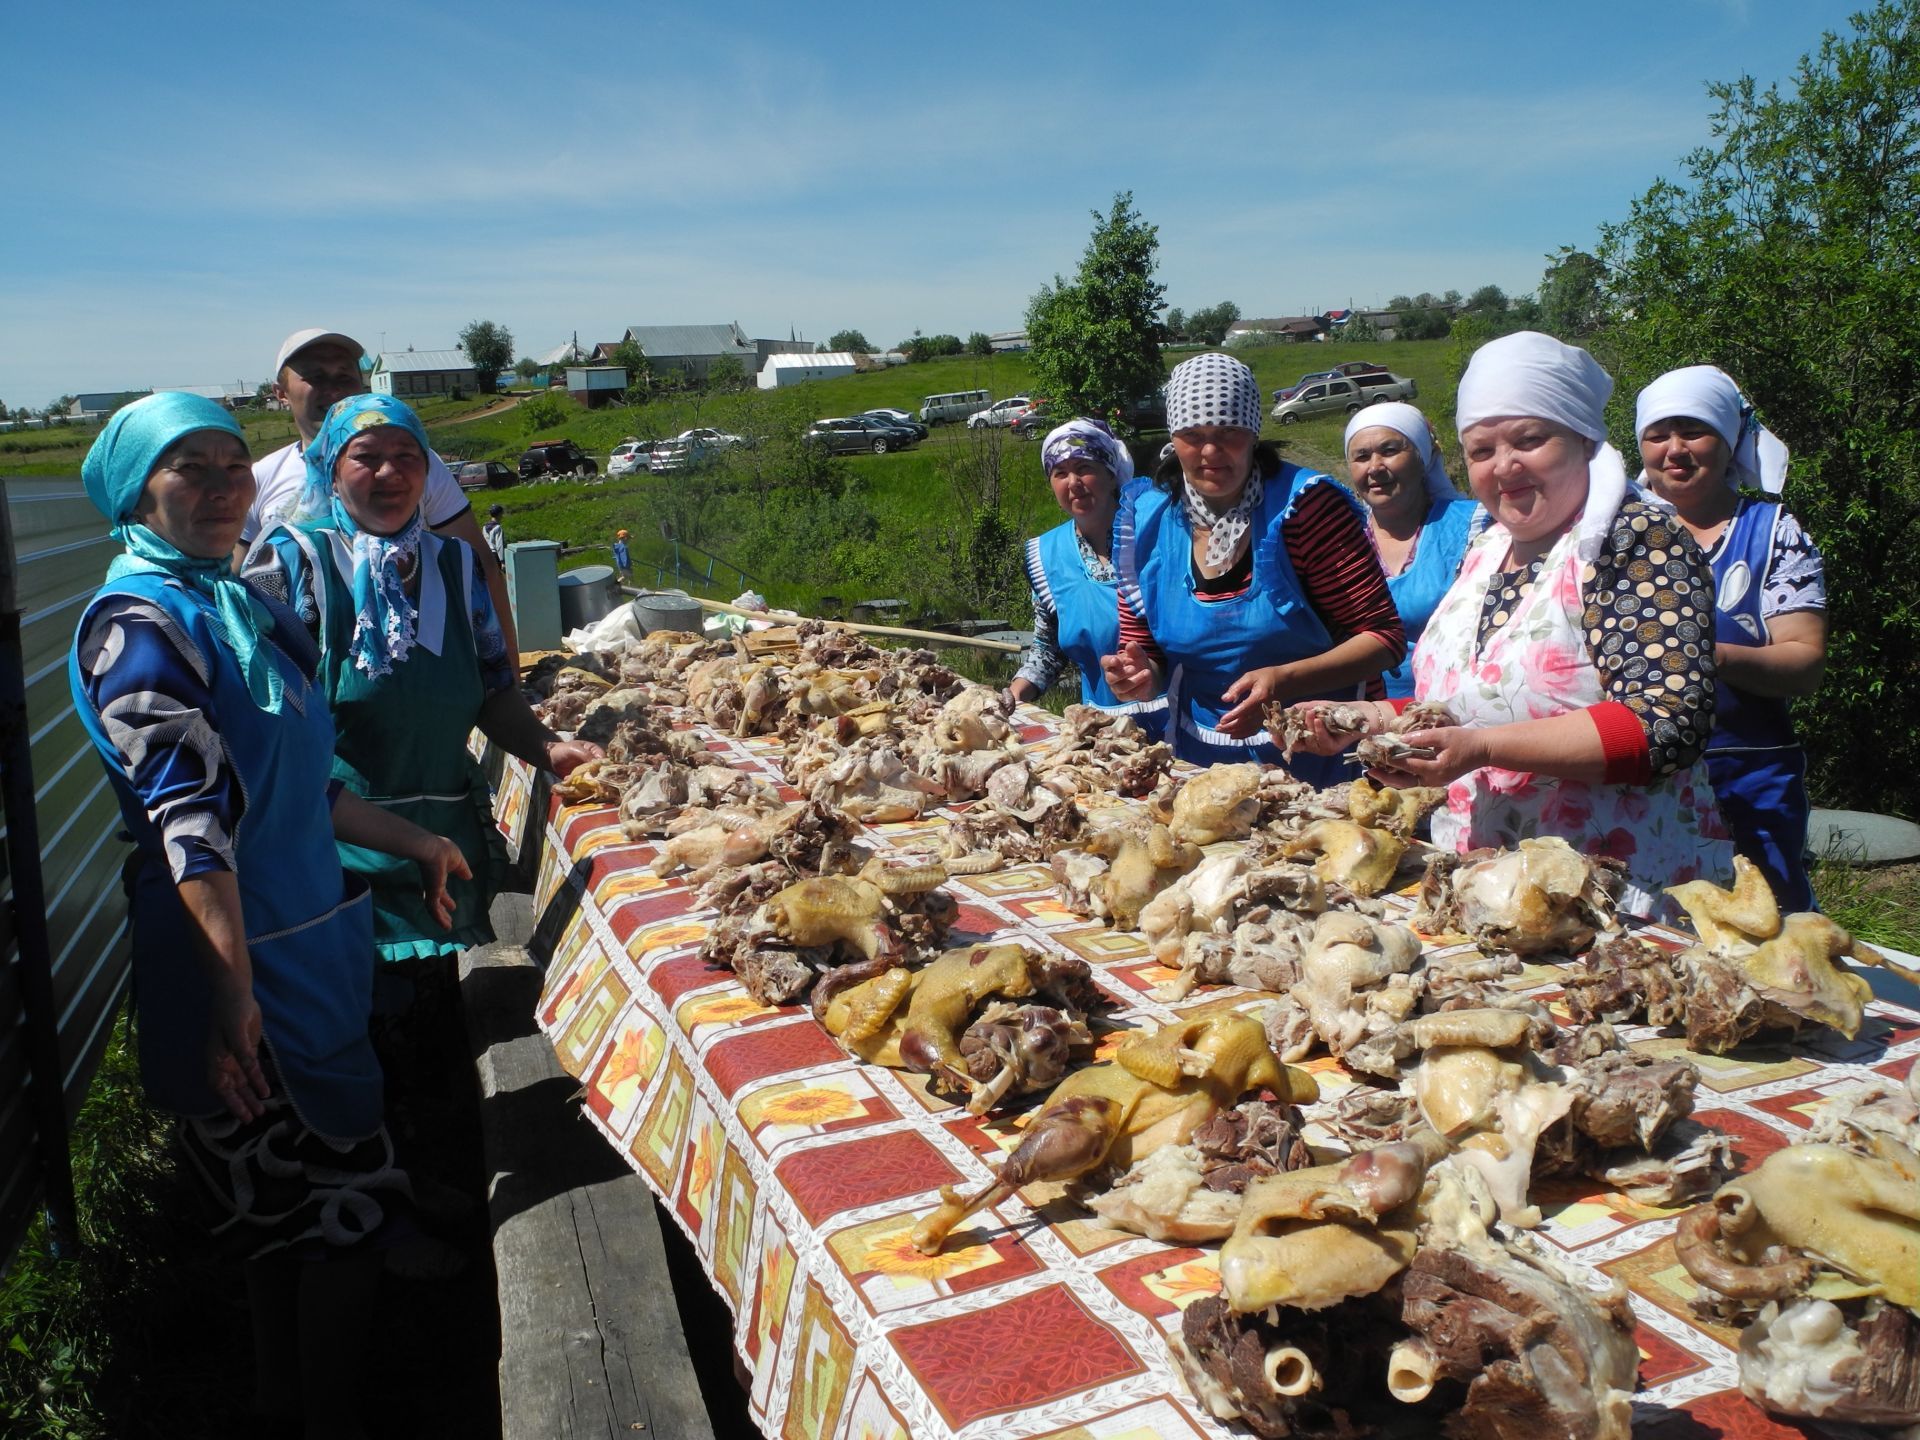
309, 926
1754, 759
1088, 616
1209, 644
1417, 590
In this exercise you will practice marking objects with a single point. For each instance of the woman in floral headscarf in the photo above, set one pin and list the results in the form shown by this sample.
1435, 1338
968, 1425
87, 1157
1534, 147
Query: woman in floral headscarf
1076, 611
1702, 445
1244, 580
411, 659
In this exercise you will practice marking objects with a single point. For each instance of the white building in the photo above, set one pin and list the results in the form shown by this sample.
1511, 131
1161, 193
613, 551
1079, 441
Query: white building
410, 373
792, 369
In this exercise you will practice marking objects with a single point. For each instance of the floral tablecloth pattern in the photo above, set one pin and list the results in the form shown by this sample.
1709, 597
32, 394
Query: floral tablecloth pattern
797, 1172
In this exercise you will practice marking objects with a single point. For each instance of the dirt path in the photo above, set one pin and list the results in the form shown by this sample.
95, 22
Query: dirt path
503, 404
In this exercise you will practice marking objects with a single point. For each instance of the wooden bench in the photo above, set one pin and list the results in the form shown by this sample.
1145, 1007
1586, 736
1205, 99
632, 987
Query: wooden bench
591, 1342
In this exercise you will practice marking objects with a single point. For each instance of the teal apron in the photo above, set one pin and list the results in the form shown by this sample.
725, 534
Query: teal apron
402, 741
309, 930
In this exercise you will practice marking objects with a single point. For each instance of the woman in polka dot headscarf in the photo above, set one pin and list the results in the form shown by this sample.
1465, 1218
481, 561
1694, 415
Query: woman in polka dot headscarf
1575, 650
1244, 580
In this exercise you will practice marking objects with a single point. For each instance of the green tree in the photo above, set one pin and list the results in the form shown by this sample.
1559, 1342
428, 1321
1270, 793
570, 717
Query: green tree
1488, 300
526, 367
1209, 326
1788, 254
1094, 341
726, 373
1571, 303
548, 411
1176, 324
490, 348
978, 343
844, 340
56, 412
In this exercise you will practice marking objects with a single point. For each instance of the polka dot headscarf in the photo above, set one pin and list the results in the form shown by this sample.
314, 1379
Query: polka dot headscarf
1212, 389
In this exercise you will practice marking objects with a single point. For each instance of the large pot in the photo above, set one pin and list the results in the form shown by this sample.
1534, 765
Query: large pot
668, 610
586, 595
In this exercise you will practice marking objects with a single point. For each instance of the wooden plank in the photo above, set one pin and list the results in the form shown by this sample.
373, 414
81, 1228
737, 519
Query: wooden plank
591, 1343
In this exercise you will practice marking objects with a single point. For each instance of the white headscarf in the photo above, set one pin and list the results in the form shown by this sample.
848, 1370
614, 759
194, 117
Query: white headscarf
1530, 374
1091, 439
1213, 389
1400, 416
1707, 393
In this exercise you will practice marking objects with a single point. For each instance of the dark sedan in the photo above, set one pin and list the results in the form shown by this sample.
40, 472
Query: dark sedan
851, 436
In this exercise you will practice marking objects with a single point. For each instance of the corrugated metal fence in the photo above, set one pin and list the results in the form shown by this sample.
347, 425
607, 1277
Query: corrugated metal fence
63, 979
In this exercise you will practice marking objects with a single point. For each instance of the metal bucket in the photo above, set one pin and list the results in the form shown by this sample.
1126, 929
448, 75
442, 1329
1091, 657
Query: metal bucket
668, 610
586, 595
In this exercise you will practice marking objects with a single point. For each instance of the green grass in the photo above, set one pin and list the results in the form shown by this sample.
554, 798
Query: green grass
1880, 905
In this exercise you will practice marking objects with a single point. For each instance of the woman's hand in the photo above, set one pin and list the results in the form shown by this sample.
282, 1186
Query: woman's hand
1457, 750
564, 755
1249, 696
1321, 741
233, 1053
439, 858
1131, 674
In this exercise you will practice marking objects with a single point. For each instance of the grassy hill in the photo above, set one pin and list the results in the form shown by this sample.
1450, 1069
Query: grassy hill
891, 526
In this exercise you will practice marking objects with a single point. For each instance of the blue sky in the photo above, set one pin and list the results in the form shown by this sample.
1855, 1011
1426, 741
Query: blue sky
187, 182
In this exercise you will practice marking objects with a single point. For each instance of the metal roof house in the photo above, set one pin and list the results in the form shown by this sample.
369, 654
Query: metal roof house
693, 349
792, 369
97, 405
406, 373
1285, 328
1007, 341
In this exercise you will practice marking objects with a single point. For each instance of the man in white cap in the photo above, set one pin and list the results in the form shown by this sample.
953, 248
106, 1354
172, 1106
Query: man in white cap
314, 369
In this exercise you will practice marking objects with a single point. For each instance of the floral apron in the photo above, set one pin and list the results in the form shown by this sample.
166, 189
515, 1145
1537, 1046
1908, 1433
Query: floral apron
1535, 666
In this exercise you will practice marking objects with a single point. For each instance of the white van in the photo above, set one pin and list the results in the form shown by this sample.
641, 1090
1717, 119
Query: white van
940, 409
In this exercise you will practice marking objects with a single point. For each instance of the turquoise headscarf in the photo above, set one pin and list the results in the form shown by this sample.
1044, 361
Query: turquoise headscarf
115, 474
385, 618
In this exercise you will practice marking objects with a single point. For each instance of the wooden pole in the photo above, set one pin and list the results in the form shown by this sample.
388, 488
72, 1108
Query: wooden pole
1005, 647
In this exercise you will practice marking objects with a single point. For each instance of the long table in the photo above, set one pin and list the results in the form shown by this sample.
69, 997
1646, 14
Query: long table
797, 1172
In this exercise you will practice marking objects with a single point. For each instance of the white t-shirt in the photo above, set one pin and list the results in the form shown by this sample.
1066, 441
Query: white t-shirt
279, 478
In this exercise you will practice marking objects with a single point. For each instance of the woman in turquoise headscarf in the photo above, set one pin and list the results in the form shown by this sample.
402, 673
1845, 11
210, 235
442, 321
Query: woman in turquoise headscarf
250, 946
412, 658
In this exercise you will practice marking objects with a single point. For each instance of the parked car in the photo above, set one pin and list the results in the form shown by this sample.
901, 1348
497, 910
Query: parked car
1289, 391
483, 475
1000, 413
1384, 385
1034, 423
555, 457
1322, 397
711, 438
1148, 413
629, 457
677, 454
955, 405
857, 433
1359, 367
898, 418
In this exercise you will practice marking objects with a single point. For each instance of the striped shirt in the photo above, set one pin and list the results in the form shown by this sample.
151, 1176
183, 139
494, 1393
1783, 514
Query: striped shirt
1338, 570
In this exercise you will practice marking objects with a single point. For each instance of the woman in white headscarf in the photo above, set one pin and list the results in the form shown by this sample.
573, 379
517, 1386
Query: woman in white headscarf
1244, 580
1702, 446
1076, 609
1421, 524
1576, 647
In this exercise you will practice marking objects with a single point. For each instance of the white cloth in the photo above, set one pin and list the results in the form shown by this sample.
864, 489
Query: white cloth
1527, 373
1224, 532
1707, 393
1408, 421
1212, 389
279, 477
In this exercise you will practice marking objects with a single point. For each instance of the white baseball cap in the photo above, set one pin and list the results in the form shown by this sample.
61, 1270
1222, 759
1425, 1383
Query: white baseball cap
301, 339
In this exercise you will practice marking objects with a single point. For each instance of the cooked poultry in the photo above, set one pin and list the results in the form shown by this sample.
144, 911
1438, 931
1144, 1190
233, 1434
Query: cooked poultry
1155, 1091
1541, 897
1361, 859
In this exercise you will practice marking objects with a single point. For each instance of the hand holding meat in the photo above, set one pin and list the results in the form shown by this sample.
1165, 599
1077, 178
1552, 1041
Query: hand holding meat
1131, 674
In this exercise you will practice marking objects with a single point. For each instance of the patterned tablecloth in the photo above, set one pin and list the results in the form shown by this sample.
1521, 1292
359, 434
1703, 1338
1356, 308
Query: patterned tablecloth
798, 1172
